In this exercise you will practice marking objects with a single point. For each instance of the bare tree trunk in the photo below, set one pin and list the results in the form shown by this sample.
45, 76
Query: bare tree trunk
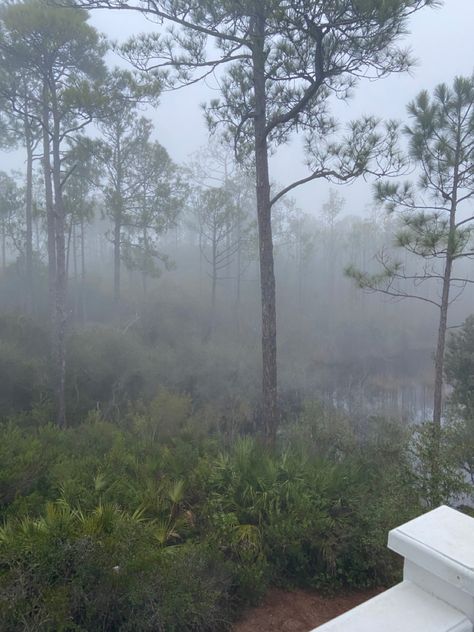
200, 259
238, 277
144, 272
29, 216
117, 234
212, 314
61, 277
299, 266
440, 347
440, 352
53, 274
49, 211
267, 274
82, 310
70, 231
4, 245
435, 447
212, 322
75, 271
118, 219
37, 235
74, 253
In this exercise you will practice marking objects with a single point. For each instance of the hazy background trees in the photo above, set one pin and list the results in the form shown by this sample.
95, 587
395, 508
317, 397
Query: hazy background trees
279, 70
57, 58
168, 253
131, 317
435, 216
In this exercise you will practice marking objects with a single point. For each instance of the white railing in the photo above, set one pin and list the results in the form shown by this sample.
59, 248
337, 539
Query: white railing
437, 591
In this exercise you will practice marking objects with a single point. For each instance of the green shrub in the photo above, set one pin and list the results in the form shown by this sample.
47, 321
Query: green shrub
195, 590
164, 417
153, 527
107, 370
105, 570
449, 484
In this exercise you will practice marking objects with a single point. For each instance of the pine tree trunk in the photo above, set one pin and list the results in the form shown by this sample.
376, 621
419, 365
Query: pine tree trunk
212, 314
67, 245
48, 189
61, 276
435, 455
267, 275
212, 322
144, 270
440, 347
201, 246
435, 446
118, 215
238, 276
74, 271
29, 218
82, 307
117, 234
4, 246
52, 257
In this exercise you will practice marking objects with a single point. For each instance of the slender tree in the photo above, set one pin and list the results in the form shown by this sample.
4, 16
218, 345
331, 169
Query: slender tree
142, 189
80, 206
217, 217
21, 120
123, 133
299, 238
157, 197
245, 234
11, 221
223, 213
283, 62
436, 218
65, 54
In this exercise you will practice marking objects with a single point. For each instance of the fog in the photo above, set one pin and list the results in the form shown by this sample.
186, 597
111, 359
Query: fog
363, 353
236, 304
197, 303
441, 42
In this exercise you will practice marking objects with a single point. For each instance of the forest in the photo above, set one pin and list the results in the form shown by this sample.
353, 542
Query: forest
205, 389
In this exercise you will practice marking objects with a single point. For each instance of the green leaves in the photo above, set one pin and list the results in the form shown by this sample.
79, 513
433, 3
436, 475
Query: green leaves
311, 50
430, 224
183, 539
441, 140
53, 38
366, 147
460, 368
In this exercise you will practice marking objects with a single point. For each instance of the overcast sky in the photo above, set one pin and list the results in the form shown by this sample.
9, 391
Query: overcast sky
441, 40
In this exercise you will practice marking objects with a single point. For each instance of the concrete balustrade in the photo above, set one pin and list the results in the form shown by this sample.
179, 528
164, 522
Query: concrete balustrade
437, 591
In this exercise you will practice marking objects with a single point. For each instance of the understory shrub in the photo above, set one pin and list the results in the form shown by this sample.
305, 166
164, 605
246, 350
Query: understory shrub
106, 570
143, 527
315, 523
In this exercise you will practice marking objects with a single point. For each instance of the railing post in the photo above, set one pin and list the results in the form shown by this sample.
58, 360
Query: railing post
438, 548
437, 591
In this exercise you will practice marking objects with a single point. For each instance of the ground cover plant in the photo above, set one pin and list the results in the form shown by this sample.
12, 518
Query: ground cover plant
119, 527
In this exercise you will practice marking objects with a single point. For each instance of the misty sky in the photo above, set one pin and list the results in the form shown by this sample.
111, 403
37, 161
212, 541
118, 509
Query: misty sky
442, 41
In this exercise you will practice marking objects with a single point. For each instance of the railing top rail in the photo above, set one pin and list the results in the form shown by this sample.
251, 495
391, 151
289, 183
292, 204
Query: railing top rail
403, 608
440, 541
437, 594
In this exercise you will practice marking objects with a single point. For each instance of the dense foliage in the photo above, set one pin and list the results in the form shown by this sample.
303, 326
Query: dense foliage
133, 527
166, 517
